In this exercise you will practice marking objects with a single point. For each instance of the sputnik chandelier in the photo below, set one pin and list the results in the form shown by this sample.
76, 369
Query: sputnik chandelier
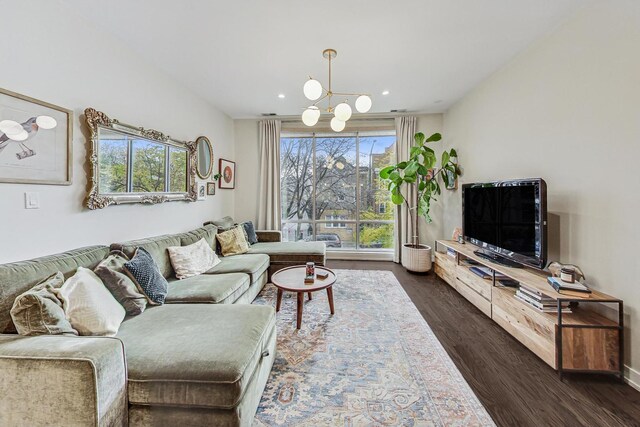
314, 91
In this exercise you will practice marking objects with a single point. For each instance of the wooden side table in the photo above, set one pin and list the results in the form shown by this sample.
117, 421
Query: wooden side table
292, 279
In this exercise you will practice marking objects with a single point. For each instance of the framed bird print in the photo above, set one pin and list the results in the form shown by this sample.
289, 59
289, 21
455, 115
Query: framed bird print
227, 170
35, 141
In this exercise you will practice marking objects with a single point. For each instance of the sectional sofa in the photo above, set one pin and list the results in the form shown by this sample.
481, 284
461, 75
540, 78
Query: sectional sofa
202, 358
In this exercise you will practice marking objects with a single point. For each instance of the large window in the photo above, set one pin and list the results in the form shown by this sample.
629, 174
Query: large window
331, 190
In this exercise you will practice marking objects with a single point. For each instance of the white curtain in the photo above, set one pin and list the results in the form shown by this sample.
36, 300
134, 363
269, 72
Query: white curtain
405, 130
269, 203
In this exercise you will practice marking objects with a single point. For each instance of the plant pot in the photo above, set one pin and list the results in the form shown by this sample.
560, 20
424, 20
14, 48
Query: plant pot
416, 259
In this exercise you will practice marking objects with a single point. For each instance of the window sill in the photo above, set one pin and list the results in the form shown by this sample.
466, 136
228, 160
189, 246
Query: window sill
360, 255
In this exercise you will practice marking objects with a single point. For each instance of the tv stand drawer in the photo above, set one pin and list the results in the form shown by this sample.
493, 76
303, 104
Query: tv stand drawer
483, 304
475, 282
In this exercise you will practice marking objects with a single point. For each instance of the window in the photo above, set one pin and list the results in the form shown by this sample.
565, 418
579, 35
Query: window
331, 190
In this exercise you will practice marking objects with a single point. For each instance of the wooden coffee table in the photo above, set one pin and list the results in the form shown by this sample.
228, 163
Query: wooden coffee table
292, 279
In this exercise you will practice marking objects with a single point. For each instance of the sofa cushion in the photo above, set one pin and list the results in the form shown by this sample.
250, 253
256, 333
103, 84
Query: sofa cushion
201, 355
18, 277
224, 224
291, 252
207, 232
233, 242
39, 310
253, 265
146, 274
157, 248
208, 288
111, 272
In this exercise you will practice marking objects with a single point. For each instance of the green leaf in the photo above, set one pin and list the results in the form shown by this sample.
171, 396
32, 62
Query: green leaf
422, 186
445, 158
415, 151
445, 178
422, 170
419, 138
384, 173
394, 177
410, 178
396, 197
435, 137
453, 153
402, 165
412, 168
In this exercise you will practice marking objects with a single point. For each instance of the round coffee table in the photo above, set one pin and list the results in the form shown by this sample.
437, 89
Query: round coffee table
292, 279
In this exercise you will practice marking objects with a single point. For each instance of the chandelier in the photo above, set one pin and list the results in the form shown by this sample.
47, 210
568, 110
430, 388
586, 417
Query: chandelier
314, 91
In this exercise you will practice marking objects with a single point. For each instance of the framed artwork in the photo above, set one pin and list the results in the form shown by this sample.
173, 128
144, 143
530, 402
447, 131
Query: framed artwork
211, 188
202, 191
227, 170
35, 141
452, 181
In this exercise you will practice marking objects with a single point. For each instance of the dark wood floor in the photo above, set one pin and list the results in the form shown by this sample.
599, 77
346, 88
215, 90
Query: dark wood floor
516, 387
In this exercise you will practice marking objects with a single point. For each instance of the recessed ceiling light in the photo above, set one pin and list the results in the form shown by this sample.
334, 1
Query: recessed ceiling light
385, 92
281, 95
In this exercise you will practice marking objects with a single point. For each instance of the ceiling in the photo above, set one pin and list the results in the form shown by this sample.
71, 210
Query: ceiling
240, 55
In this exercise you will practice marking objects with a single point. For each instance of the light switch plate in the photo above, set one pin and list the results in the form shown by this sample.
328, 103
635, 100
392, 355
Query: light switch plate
31, 200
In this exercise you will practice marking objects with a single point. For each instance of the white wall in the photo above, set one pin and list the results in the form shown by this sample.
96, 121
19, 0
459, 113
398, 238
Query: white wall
568, 110
247, 170
52, 54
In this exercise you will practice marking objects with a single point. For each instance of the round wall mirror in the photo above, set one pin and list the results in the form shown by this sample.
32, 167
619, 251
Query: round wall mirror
205, 157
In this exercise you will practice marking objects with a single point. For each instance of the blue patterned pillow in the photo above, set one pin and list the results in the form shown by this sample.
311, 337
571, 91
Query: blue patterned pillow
145, 273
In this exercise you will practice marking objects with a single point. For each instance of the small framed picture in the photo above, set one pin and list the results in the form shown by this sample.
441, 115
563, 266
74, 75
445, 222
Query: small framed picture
227, 169
211, 188
202, 191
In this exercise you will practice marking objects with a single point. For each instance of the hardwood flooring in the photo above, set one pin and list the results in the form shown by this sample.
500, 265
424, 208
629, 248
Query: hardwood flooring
513, 384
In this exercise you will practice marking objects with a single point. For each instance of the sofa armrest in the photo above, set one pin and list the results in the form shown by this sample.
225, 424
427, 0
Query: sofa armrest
269, 236
62, 380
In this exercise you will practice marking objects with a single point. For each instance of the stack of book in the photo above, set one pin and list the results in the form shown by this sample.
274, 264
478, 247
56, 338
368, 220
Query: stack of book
451, 252
540, 301
575, 289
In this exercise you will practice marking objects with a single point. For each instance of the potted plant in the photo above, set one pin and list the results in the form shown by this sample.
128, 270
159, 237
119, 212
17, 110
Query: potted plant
418, 178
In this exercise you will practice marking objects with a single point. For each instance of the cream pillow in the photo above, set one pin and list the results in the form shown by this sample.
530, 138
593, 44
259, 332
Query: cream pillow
233, 242
89, 306
193, 259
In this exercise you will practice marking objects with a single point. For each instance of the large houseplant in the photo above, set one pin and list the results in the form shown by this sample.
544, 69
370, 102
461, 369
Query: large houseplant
417, 179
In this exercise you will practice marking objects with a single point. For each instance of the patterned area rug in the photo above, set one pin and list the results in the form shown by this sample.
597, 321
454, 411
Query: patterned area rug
375, 362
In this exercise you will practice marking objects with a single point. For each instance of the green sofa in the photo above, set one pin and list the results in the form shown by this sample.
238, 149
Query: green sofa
203, 358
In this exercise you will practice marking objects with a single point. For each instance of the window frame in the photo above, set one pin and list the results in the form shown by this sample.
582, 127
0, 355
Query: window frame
344, 223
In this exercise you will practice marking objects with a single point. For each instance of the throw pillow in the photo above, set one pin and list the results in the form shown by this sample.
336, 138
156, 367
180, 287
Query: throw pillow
146, 275
224, 224
111, 272
250, 232
193, 259
89, 306
233, 242
39, 311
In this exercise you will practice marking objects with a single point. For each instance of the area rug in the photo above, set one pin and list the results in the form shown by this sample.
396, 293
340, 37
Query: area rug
375, 362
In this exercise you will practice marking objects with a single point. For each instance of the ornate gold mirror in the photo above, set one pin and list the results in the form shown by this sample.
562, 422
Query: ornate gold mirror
135, 165
205, 157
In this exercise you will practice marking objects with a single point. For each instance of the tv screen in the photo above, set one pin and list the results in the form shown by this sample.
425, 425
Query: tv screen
507, 218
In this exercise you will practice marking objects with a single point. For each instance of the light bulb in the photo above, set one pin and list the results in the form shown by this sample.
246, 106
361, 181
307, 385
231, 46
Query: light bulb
46, 122
310, 116
19, 136
337, 125
363, 103
312, 89
343, 111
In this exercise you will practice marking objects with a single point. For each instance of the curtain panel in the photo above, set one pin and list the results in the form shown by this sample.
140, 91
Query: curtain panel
405, 130
269, 194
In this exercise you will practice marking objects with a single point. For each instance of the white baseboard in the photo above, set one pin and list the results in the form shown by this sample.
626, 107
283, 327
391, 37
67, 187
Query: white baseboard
632, 377
360, 255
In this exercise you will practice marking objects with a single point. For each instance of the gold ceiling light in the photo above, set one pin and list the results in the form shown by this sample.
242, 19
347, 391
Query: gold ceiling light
314, 91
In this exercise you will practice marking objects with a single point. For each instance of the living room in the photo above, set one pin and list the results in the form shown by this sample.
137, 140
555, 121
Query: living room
263, 213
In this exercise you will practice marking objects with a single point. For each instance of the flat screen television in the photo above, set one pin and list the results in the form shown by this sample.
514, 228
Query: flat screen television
508, 220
